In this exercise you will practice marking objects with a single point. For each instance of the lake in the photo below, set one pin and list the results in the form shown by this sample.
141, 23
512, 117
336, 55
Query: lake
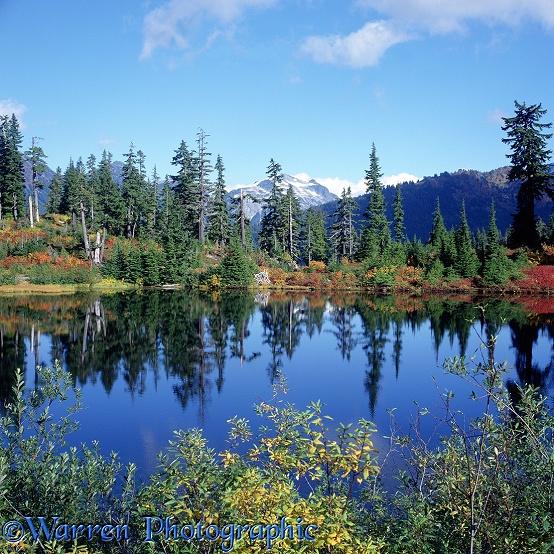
150, 362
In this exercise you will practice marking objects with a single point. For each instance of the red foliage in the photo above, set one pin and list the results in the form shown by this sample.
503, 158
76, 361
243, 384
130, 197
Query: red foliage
538, 278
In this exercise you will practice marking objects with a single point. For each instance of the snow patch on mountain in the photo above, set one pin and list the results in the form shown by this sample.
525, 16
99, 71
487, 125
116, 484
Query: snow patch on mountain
310, 193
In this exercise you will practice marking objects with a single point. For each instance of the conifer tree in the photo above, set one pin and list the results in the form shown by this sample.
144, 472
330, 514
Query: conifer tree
240, 226
186, 186
467, 262
314, 237
291, 212
219, 213
203, 169
111, 209
497, 267
398, 224
376, 234
132, 190
11, 168
55, 193
343, 235
529, 159
38, 166
441, 241
273, 227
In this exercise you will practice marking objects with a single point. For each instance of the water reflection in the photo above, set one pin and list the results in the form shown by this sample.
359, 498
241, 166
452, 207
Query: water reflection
192, 338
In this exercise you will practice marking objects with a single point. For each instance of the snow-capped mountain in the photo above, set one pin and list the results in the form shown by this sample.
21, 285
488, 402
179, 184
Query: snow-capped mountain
309, 193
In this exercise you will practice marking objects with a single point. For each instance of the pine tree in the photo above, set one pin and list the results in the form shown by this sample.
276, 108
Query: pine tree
203, 170
240, 226
398, 224
219, 213
529, 159
38, 166
314, 237
291, 212
132, 190
111, 209
11, 168
376, 234
343, 235
497, 267
273, 228
55, 193
467, 262
186, 186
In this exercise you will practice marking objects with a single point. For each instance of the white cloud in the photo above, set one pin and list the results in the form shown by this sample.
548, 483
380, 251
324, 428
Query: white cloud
336, 184
444, 16
104, 143
169, 25
389, 180
9, 107
362, 48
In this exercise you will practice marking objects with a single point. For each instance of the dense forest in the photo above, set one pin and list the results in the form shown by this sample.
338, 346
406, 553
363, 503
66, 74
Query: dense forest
142, 229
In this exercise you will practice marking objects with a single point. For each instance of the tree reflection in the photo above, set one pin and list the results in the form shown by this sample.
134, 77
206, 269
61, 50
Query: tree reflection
141, 337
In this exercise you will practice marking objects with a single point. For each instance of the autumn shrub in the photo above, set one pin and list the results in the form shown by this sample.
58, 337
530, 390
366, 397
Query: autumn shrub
296, 471
316, 267
488, 486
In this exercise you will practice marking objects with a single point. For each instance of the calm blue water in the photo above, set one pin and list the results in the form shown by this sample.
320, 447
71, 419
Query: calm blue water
152, 363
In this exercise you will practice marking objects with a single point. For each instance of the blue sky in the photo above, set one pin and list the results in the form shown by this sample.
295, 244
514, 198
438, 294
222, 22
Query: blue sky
310, 83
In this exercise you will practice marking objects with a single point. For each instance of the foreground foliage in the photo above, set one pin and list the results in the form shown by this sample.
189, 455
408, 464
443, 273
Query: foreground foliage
487, 487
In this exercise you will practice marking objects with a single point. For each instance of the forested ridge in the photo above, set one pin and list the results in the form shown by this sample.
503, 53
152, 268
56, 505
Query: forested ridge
135, 226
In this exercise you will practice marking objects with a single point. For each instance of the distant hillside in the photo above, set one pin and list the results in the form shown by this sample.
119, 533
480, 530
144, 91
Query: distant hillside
477, 189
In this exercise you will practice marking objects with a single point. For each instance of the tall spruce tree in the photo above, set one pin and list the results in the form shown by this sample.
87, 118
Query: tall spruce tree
110, 204
11, 168
497, 267
314, 237
132, 190
55, 193
529, 159
292, 213
36, 156
186, 186
273, 228
203, 170
376, 233
343, 236
467, 262
219, 212
398, 210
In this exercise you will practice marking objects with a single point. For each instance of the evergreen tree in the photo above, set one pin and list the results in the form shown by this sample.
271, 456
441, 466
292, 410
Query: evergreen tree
314, 237
240, 226
93, 187
291, 212
11, 168
236, 269
55, 193
497, 267
398, 224
38, 166
343, 235
376, 234
441, 241
132, 190
151, 203
219, 213
467, 262
272, 227
111, 209
529, 159
203, 170
186, 186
